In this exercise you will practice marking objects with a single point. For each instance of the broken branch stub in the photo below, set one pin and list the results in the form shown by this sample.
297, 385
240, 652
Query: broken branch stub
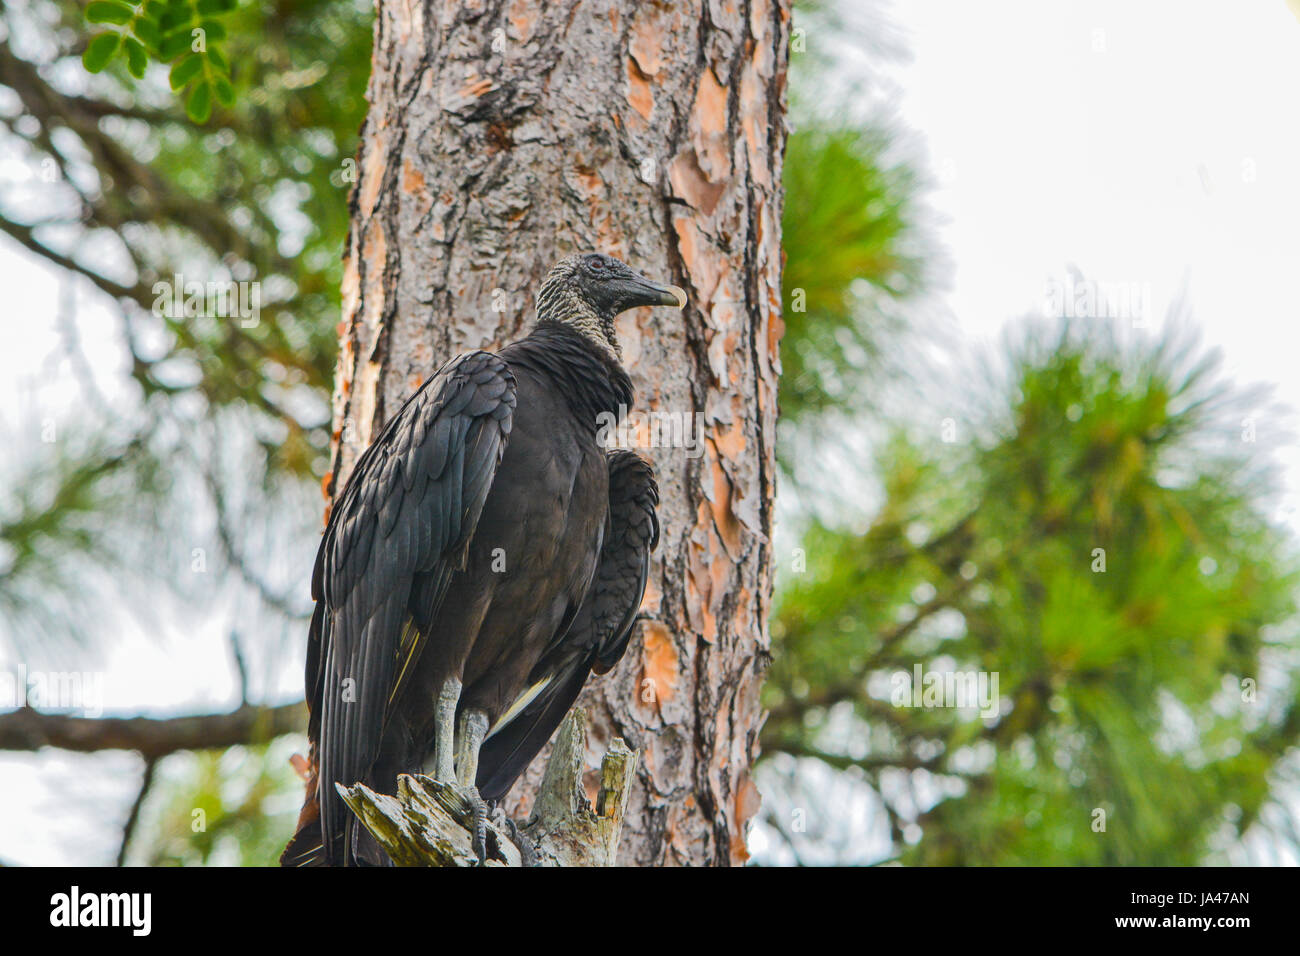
428, 823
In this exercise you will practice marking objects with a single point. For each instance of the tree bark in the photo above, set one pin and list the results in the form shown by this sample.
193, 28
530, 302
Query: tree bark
503, 136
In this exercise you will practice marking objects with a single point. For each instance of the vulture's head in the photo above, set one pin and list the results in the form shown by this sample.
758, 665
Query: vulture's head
587, 291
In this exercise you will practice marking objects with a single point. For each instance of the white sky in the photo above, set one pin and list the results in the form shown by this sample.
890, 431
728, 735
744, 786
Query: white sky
1154, 142
1151, 142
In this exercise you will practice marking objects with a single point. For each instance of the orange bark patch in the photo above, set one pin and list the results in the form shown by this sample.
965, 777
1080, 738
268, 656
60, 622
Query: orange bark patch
522, 16
646, 47
376, 252
710, 121
730, 440
711, 105
775, 332
474, 88
372, 174
349, 289
590, 181
703, 554
748, 802
690, 183
659, 662
414, 185
723, 517
753, 124
639, 95
704, 264
609, 235
412, 178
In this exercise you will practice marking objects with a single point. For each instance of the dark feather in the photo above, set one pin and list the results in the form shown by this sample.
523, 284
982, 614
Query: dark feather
598, 635
407, 511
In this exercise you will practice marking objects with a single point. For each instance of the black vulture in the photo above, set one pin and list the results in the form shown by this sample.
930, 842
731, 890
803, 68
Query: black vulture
485, 556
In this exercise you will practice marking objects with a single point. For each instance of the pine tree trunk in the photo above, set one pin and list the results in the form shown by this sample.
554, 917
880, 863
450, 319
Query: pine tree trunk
501, 137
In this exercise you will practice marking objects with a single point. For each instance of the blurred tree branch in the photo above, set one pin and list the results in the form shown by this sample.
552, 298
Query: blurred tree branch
133, 818
27, 729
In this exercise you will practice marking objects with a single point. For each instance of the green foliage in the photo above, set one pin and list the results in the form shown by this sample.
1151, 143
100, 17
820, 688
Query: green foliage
855, 244
260, 194
51, 529
848, 220
180, 32
235, 807
1130, 689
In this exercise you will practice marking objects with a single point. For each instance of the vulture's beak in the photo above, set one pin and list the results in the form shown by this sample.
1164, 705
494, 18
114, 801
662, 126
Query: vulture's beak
639, 290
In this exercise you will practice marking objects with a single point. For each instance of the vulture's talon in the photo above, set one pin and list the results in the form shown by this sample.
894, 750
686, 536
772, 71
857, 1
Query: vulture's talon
527, 851
479, 841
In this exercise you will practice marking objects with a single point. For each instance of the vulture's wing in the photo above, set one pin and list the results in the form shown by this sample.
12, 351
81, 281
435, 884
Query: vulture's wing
598, 635
396, 535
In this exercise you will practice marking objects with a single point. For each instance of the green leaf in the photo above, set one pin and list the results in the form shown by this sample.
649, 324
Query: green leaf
174, 44
214, 30
136, 57
109, 11
147, 31
225, 92
218, 61
185, 70
99, 51
175, 18
199, 105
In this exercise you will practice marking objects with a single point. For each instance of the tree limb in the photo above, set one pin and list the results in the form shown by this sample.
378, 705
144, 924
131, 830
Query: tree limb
133, 818
28, 729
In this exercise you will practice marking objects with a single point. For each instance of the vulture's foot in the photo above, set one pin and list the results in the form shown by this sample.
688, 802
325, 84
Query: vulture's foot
527, 851
478, 825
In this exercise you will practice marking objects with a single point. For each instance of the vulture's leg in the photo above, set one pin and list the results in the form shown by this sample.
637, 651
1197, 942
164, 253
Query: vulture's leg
472, 729
443, 730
